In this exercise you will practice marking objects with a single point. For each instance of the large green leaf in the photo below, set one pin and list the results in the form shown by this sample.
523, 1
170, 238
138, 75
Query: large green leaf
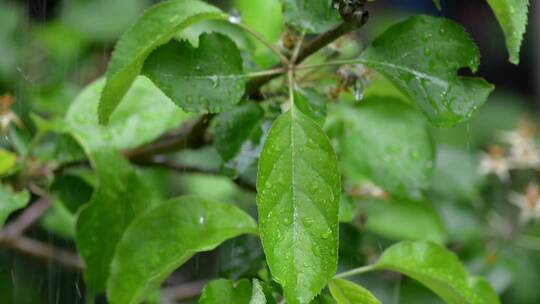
422, 56
120, 196
239, 136
298, 186
10, 201
145, 114
156, 27
438, 269
226, 292
200, 80
346, 292
389, 142
161, 240
512, 15
311, 103
311, 16
402, 220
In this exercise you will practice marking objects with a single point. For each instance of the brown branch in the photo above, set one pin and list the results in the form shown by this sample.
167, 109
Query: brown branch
28, 217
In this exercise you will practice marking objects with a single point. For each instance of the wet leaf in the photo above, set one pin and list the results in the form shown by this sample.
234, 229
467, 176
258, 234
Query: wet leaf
438, 269
226, 292
239, 136
311, 103
402, 220
156, 27
161, 240
347, 292
298, 198
311, 16
422, 56
388, 142
11, 201
512, 16
199, 80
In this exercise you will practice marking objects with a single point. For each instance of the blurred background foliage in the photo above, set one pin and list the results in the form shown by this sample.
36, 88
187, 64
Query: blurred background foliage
51, 49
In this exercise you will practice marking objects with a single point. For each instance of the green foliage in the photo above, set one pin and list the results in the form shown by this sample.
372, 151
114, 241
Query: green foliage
298, 197
156, 27
513, 16
198, 80
439, 270
310, 16
388, 142
11, 201
422, 57
226, 292
169, 235
8, 161
346, 292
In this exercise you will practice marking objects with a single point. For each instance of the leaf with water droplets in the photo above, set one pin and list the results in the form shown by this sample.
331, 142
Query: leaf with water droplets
347, 292
311, 103
422, 56
388, 142
438, 269
299, 189
309, 15
161, 240
155, 27
10, 202
200, 80
239, 136
513, 17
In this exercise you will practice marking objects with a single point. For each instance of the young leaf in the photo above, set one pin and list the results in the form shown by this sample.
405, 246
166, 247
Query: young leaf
10, 202
145, 114
8, 160
156, 27
201, 80
311, 16
422, 56
239, 136
311, 103
512, 16
439, 270
121, 195
257, 294
161, 240
402, 220
298, 198
388, 142
346, 292
226, 292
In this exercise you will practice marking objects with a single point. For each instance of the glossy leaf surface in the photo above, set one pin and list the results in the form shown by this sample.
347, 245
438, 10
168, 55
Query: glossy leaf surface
156, 27
422, 56
298, 198
311, 16
161, 240
200, 80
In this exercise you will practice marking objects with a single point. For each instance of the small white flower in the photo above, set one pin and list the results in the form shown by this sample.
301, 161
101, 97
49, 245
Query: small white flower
525, 156
494, 162
528, 202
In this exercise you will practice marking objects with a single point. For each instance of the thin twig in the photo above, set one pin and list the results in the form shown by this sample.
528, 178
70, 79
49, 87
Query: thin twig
182, 292
262, 39
356, 271
28, 217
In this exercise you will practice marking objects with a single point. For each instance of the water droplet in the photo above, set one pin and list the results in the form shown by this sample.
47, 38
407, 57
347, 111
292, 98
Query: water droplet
359, 90
201, 220
427, 51
326, 234
313, 188
235, 17
308, 222
215, 81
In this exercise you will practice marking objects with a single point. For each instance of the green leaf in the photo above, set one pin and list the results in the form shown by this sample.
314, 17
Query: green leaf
11, 201
72, 191
226, 292
422, 56
239, 136
161, 240
437, 4
59, 221
512, 16
156, 27
311, 103
402, 220
311, 16
200, 80
8, 160
388, 142
298, 198
120, 196
346, 292
257, 294
145, 114
255, 14
438, 269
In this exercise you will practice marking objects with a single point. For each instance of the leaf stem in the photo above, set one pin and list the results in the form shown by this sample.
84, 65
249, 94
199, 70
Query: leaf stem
275, 71
356, 271
263, 40
330, 63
